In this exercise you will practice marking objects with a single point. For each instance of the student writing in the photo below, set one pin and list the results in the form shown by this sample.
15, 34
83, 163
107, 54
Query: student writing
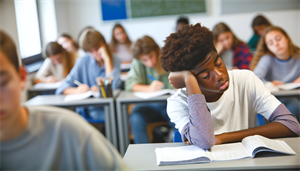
98, 63
56, 66
44, 137
234, 53
277, 60
146, 53
213, 105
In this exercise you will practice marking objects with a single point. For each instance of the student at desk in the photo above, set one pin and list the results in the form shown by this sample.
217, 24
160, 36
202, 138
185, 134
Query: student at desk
44, 137
68, 43
213, 105
146, 53
277, 60
100, 63
56, 66
234, 53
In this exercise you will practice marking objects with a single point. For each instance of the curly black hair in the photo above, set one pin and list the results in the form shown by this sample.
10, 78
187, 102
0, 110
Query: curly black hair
187, 48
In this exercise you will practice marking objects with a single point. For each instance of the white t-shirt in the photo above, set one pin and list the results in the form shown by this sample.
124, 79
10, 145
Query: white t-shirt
59, 139
123, 53
49, 68
237, 107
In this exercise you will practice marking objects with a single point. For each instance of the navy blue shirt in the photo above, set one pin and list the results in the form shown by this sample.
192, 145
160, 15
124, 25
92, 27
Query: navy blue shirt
86, 70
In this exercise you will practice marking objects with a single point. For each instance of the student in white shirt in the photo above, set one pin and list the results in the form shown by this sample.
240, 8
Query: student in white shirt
213, 106
43, 137
56, 66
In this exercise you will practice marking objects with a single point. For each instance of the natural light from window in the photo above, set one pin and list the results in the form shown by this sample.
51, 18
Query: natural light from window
28, 27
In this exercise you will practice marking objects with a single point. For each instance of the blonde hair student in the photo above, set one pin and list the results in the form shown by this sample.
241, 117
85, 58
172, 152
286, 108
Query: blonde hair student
146, 75
277, 60
234, 53
57, 65
44, 137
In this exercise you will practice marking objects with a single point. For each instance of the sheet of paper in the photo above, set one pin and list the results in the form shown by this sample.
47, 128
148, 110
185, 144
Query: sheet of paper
226, 152
74, 97
147, 95
271, 87
289, 86
48, 85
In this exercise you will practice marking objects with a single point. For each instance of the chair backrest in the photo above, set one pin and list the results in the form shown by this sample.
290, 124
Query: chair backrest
82, 111
176, 136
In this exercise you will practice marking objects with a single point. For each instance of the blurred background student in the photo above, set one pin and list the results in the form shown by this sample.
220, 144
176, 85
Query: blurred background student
56, 66
146, 53
259, 24
69, 44
99, 62
181, 21
234, 53
277, 60
120, 44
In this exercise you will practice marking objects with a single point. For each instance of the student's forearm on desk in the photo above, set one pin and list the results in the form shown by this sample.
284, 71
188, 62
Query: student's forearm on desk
271, 130
70, 90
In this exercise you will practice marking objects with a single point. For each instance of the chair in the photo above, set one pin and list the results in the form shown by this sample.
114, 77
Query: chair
82, 111
177, 136
260, 119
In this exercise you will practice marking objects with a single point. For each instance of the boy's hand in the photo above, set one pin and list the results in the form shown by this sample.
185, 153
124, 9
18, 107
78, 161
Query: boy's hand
95, 88
51, 79
179, 79
297, 80
155, 86
82, 88
276, 83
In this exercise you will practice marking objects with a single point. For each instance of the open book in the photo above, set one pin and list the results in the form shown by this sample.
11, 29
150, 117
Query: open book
248, 148
287, 86
147, 95
73, 97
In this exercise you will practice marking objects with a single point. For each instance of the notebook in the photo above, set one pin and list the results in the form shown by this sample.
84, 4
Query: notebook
48, 85
74, 97
248, 148
147, 95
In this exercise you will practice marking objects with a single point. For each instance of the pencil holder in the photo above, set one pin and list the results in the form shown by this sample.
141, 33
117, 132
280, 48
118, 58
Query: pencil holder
104, 85
107, 91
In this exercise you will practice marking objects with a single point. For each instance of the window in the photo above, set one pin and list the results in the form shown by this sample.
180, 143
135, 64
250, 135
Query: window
28, 31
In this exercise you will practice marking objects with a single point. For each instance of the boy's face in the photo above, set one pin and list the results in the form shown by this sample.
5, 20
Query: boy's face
11, 83
212, 74
149, 60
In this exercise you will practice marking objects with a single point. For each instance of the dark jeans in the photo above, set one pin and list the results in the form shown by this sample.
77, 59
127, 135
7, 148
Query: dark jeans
145, 113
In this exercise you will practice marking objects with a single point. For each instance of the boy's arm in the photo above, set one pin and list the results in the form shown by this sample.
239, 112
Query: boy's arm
199, 130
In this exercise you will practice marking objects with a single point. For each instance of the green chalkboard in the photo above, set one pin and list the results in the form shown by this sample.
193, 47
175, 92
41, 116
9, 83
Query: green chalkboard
148, 8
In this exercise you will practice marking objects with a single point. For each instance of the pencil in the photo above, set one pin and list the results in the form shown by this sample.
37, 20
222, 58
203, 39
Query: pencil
102, 89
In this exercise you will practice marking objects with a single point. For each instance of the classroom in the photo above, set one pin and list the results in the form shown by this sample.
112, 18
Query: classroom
149, 85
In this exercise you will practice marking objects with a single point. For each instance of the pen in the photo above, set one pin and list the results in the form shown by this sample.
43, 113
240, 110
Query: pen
77, 82
151, 78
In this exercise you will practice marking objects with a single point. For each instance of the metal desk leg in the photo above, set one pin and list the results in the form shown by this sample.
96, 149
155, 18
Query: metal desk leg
113, 126
125, 127
107, 123
120, 128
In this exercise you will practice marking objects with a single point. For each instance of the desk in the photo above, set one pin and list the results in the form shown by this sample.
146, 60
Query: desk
32, 92
108, 103
122, 101
282, 93
142, 157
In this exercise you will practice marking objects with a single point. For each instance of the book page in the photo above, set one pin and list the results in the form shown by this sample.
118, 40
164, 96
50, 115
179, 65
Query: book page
178, 154
232, 151
289, 86
257, 143
147, 95
73, 97
271, 87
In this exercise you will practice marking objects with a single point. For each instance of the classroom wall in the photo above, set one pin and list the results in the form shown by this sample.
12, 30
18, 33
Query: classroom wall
77, 14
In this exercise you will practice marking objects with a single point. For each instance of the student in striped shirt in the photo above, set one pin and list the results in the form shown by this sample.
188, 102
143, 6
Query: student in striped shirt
277, 60
213, 105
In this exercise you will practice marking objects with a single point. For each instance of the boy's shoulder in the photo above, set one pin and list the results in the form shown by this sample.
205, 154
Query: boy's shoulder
59, 118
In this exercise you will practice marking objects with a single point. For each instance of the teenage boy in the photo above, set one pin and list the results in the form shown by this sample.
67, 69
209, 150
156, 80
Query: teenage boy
99, 62
44, 137
214, 106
